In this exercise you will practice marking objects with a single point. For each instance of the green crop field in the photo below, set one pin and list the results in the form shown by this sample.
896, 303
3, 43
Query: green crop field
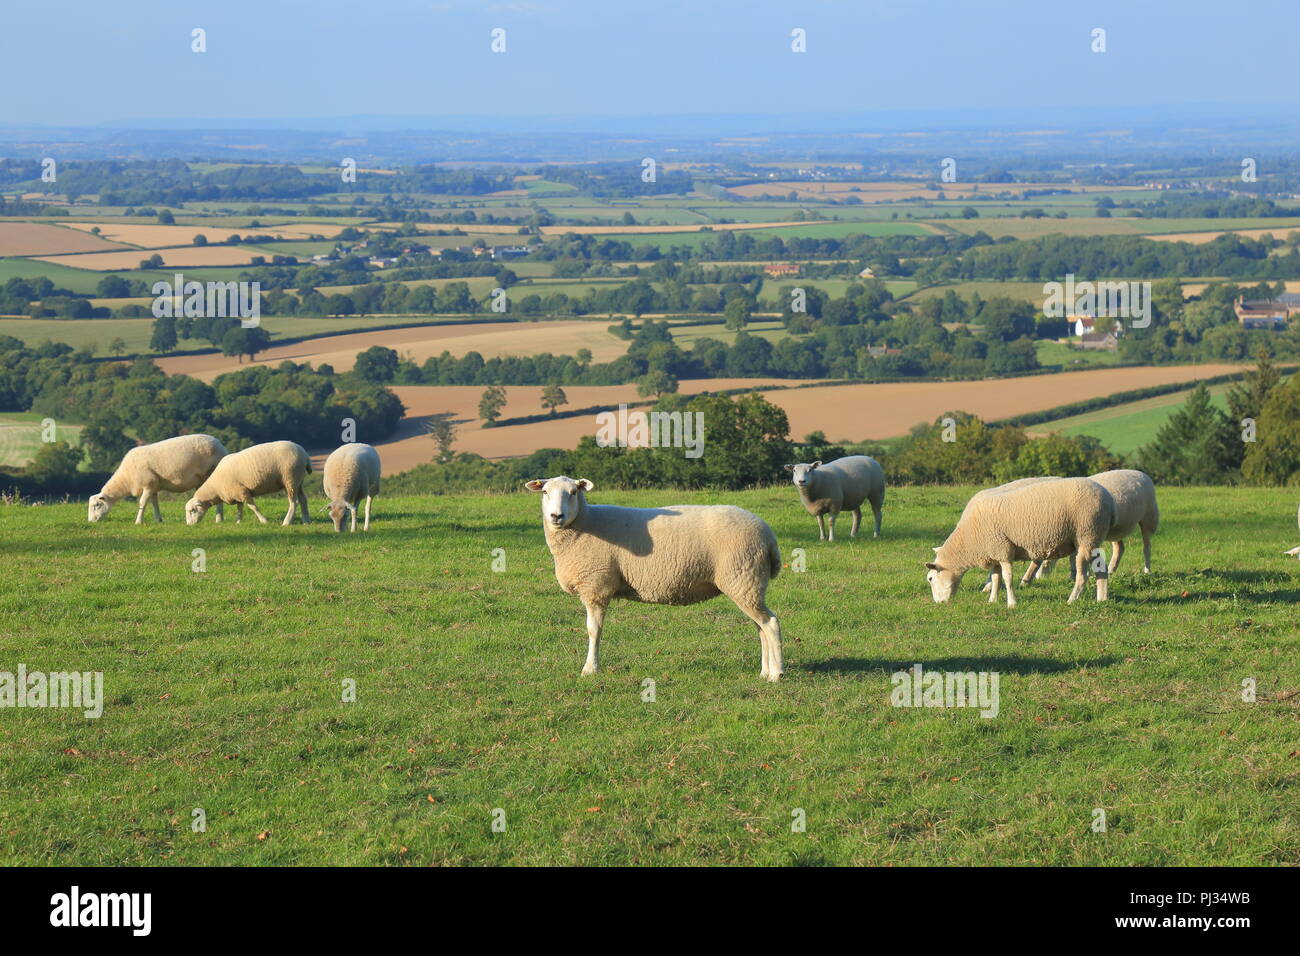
20, 437
1126, 428
223, 691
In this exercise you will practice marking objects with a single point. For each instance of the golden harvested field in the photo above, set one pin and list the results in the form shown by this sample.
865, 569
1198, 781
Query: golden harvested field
490, 339
1200, 238
843, 412
411, 445
495, 229
39, 239
1196, 288
152, 236
176, 257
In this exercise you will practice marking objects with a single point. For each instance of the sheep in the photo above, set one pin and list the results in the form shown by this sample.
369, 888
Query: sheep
259, 470
682, 554
1135, 507
1037, 521
1034, 570
842, 485
351, 473
1295, 552
174, 464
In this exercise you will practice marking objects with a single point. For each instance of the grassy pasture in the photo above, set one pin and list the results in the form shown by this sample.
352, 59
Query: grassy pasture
20, 437
223, 692
1126, 428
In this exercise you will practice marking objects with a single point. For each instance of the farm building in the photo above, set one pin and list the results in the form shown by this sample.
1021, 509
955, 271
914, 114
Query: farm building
1266, 313
778, 269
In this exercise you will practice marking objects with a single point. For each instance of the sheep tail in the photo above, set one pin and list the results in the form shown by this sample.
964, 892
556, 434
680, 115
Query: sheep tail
309, 466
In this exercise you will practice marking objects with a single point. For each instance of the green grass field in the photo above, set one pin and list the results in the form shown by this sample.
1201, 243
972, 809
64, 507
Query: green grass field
223, 692
1126, 428
20, 437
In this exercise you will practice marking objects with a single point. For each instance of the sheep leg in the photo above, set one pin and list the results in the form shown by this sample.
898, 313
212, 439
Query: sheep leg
875, 510
239, 512
144, 503
993, 587
821, 527
1044, 569
221, 513
1006, 583
1116, 552
988, 581
303, 510
293, 504
1146, 551
366, 526
831, 522
1031, 572
1081, 561
595, 620
857, 522
260, 517
353, 511
157, 512
769, 637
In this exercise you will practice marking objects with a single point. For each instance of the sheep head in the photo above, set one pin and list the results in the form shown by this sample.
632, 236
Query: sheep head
339, 510
943, 581
194, 511
99, 506
802, 474
563, 498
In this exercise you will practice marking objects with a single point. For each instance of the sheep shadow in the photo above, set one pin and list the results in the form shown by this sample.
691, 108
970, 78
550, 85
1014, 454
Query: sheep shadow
1002, 665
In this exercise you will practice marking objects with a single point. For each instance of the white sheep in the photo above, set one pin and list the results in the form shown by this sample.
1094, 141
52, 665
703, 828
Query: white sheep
174, 464
351, 473
1038, 521
841, 485
681, 554
259, 470
1135, 507
1295, 552
1034, 570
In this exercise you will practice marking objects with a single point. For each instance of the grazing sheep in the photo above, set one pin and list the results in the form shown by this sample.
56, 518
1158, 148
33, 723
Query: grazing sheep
174, 464
1295, 552
842, 485
681, 554
1135, 507
1037, 521
1035, 570
351, 473
259, 470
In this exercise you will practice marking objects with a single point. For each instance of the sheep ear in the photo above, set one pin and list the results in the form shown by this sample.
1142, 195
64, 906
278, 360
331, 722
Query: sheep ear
932, 566
535, 485
789, 467
585, 485
816, 464
936, 549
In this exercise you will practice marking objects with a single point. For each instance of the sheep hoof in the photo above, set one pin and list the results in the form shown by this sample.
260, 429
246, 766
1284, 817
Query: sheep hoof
588, 670
772, 678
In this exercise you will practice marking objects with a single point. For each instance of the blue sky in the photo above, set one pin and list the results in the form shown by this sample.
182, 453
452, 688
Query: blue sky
89, 63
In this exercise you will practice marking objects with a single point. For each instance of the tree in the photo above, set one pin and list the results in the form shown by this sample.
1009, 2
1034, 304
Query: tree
376, 364
166, 218
1195, 446
54, 461
656, 383
241, 341
584, 357
553, 397
1273, 458
490, 404
200, 240
104, 439
117, 346
443, 431
738, 313
113, 287
164, 334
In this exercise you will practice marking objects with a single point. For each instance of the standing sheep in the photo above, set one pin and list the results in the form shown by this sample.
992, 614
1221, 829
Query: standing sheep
259, 470
351, 473
1034, 570
1135, 507
1038, 521
842, 485
174, 464
682, 554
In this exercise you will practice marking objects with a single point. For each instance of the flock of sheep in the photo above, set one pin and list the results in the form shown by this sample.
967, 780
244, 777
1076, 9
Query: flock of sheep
684, 554
201, 464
